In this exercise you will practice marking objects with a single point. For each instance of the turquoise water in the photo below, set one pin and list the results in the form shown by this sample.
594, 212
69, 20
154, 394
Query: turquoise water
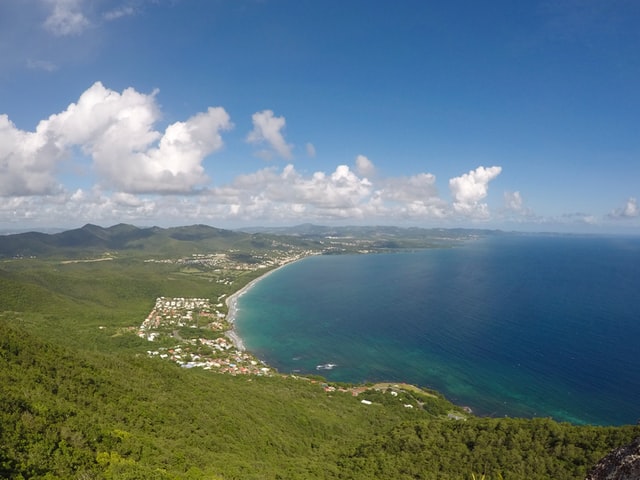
509, 325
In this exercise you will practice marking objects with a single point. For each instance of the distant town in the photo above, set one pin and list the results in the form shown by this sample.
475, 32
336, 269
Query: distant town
197, 332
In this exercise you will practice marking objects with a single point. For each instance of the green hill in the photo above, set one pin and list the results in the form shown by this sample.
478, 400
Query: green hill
82, 399
92, 238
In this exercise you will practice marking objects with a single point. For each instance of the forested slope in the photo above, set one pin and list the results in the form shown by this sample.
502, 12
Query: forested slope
73, 412
70, 414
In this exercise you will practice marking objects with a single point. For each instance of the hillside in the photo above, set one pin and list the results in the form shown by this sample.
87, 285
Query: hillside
92, 238
82, 398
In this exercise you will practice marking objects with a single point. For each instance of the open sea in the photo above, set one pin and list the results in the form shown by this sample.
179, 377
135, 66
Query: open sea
509, 325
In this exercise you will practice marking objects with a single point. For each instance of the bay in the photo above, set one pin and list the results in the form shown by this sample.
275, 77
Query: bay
510, 325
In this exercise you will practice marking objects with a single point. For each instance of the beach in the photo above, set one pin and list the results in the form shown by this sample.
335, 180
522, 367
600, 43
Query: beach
232, 305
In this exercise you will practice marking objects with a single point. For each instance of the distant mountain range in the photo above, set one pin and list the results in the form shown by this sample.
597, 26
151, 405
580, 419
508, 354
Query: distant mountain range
93, 239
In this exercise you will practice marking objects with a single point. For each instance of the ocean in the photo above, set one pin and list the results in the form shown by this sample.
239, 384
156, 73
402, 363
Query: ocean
509, 325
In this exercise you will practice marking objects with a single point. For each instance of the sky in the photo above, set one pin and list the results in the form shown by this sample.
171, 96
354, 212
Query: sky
236, 113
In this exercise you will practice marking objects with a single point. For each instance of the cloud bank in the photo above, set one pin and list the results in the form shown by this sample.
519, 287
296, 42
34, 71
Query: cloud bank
141, 173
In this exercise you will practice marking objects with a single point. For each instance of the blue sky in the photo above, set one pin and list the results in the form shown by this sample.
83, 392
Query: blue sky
502, 114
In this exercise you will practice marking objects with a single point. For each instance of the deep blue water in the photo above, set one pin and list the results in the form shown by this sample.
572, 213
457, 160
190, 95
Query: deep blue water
528, 326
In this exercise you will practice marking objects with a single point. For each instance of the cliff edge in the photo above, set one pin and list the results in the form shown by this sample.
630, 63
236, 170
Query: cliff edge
623, 463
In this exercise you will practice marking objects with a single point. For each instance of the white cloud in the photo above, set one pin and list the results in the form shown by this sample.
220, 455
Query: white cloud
340, 189
413, 197
629, 210
71, 209
515, 210
125, 11
99, 111
27, 161
364, 166
175, 165
288, 195
420, 187
146, 175
269, 195
579, 218
116, 131
470, 188
66, 18
268, 129
513, 201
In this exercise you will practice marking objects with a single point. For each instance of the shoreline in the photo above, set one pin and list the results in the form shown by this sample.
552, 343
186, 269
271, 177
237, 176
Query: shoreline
232, 310
232, 305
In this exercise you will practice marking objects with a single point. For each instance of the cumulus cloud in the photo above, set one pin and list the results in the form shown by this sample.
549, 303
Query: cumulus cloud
27, 161
175, 165
116, 131
414, 196
340, 189
470, 189
66, 18
364, 166
629, 210
267, 129
289, 195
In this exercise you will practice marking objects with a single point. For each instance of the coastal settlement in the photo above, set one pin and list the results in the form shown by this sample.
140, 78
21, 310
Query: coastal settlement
196, 332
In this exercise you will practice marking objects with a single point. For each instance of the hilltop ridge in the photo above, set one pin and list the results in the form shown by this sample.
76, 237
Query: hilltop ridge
118, 237
92, 238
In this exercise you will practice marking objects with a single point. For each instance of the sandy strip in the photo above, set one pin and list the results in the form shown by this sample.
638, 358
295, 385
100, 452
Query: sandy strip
232, 305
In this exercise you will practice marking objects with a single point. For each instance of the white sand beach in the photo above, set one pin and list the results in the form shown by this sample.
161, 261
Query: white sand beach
232, 306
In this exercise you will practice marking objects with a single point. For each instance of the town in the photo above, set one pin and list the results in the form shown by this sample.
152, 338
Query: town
192, 333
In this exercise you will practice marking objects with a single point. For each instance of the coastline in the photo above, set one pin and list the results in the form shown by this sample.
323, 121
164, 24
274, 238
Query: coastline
232, 311
232, 305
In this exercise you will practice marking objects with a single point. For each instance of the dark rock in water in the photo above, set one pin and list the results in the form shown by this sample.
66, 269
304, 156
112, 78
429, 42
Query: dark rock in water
621, 464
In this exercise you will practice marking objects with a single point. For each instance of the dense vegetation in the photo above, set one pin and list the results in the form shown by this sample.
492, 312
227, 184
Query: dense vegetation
81, 399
